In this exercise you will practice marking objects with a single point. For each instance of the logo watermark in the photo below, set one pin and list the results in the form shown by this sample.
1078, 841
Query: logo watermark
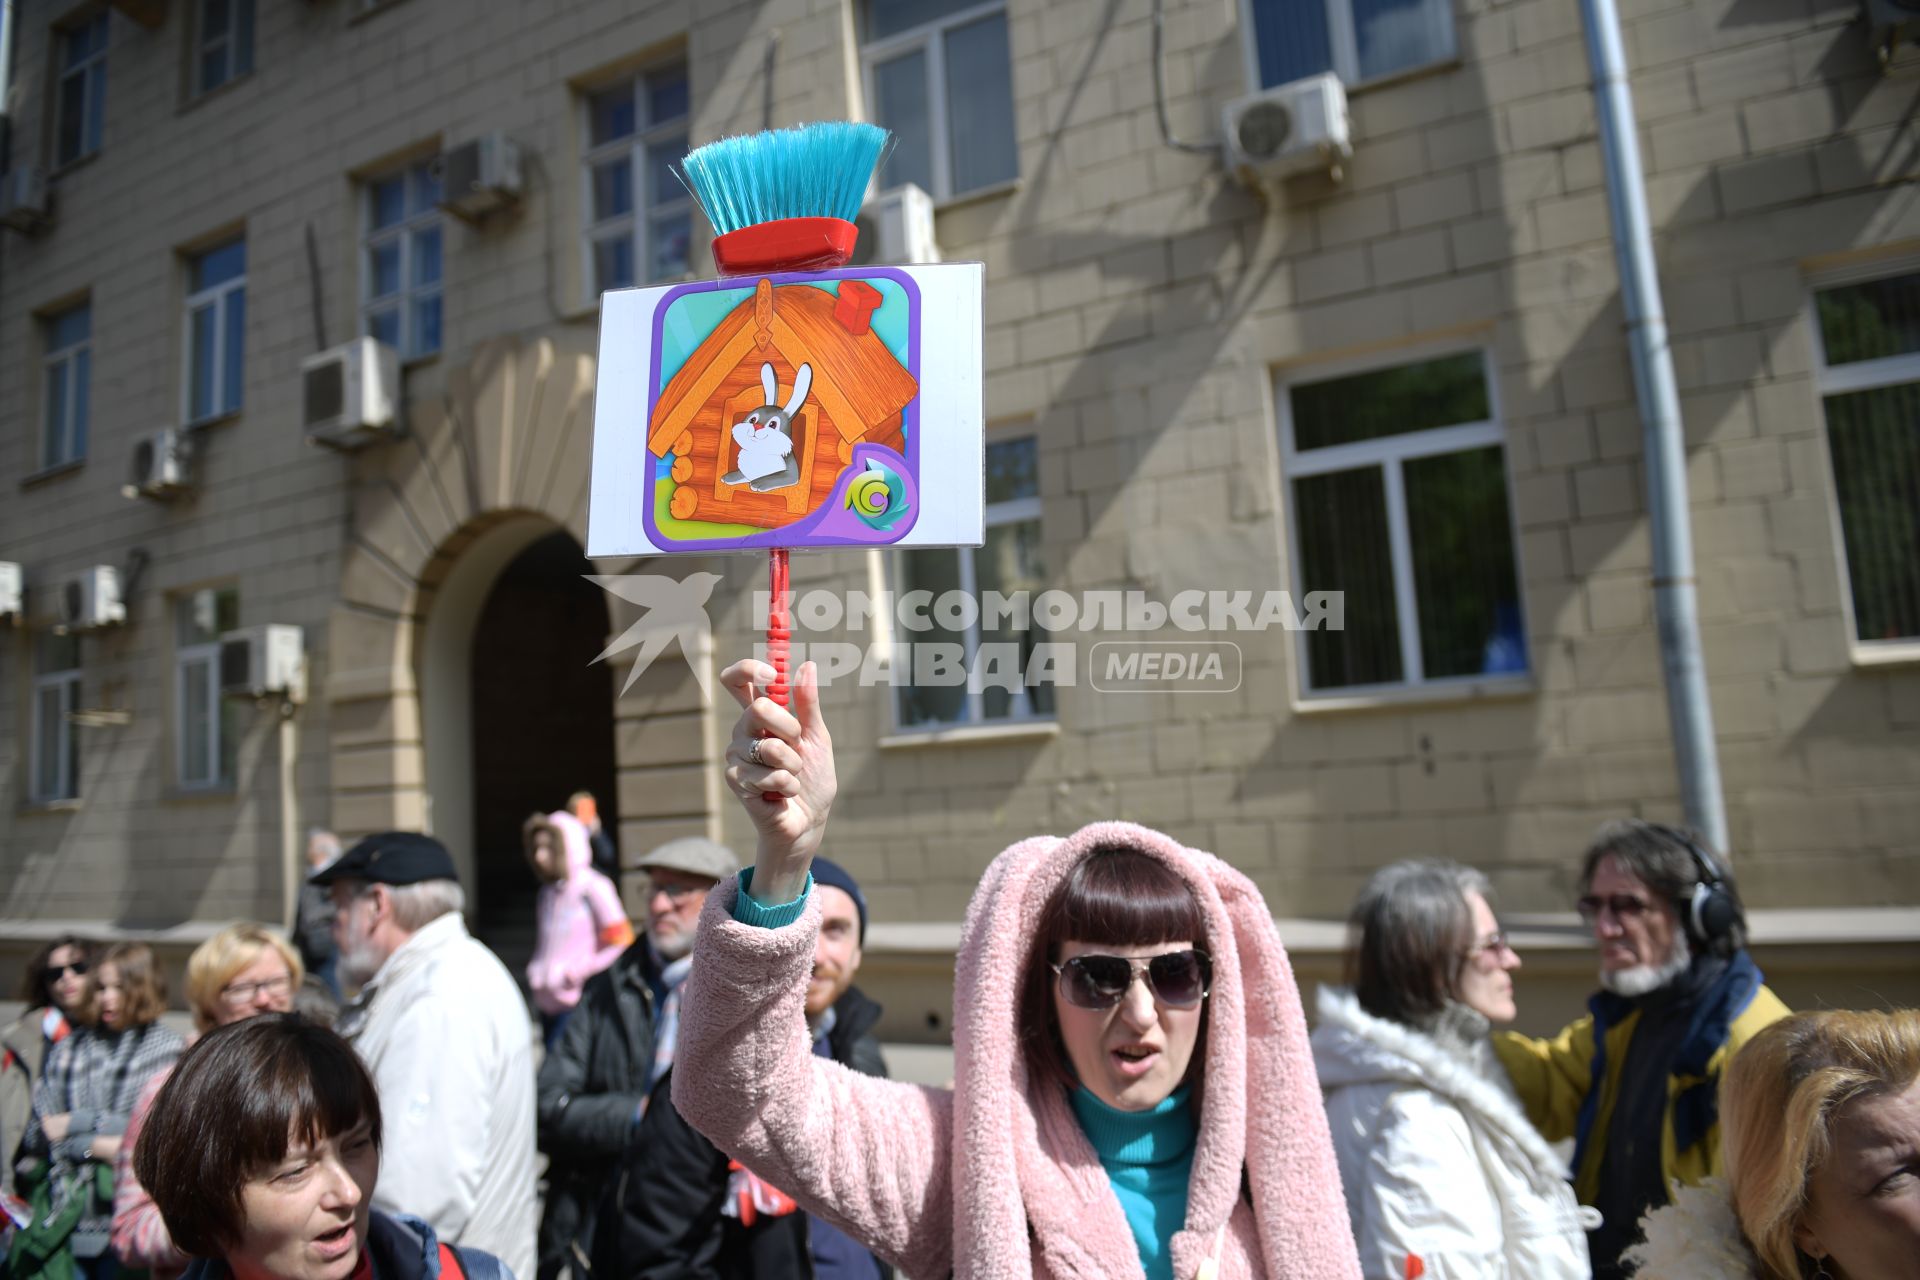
1164, 666
975, 651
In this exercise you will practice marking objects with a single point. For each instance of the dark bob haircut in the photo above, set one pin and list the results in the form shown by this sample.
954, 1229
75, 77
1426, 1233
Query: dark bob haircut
36, 984
1115, 896
1409, 933
231, 1109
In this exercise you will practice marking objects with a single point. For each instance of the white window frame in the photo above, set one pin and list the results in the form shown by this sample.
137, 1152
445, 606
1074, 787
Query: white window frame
64, 363
65, 684
1343, 42
1020, 705
92, 131
1862, 375
215, 296
931, 36
637, 224
205, 653
202, 45
1390, 454
403, 232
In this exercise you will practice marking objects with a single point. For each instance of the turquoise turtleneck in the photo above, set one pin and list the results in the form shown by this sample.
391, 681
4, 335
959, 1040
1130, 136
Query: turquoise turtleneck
1148, 1156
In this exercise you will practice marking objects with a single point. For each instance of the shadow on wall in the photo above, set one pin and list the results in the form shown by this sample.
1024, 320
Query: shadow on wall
1514, 787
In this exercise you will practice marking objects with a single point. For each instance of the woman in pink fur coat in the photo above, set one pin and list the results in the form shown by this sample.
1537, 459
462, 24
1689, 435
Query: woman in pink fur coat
1134, 1094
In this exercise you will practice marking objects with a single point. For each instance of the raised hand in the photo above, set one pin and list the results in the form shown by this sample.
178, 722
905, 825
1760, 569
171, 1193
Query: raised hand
783, 780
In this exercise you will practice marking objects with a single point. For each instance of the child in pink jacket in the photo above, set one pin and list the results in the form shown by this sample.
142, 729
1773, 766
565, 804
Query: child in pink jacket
582, 925
1134, 1094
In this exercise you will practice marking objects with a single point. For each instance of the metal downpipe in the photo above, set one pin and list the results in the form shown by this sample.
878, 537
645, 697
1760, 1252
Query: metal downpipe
1689, 713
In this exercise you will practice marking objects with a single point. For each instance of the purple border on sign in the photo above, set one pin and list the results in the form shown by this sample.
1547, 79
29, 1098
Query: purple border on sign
797, 534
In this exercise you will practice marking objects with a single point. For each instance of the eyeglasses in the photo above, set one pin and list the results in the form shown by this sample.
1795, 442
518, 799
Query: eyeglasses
1624, 906
676, 893
1178, 979
77, 968
247, 992
1494, 944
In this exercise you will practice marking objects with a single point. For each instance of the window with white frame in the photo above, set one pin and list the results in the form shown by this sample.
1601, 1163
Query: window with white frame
1008, 561
1869, 384
81, 95
1360, 40
1397, 486
400, 261
216, 329
639, 218
54, 770
207, 741
223, 43
65, 389
940, 78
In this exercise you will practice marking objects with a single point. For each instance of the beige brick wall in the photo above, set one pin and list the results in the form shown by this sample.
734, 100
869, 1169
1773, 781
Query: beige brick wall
1139, 306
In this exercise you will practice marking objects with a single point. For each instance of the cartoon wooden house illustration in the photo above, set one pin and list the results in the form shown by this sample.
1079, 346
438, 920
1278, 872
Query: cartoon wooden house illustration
857, 393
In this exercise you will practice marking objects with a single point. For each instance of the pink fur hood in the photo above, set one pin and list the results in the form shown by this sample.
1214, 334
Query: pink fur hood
995, 1179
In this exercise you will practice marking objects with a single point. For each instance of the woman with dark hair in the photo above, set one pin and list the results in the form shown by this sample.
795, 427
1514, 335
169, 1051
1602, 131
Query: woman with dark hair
262, 1153
1444, 1176
55, 980
81, 1105
1134, 1094
240, 972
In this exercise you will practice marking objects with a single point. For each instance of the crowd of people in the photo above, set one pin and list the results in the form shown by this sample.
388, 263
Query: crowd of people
1136, 1091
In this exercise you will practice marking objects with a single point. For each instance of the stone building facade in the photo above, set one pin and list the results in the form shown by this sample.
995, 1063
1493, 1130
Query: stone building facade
1162, 343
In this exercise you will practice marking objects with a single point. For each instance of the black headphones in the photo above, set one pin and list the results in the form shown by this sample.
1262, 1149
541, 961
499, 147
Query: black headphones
1707, 909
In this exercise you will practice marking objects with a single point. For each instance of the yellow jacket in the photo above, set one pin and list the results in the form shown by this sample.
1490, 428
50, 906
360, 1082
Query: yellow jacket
1554, 1078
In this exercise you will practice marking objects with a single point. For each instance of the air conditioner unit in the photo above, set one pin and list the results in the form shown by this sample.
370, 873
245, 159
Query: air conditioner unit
349, 395
24, 205
90, 600
481, 176
257, 661
1888, 23
897, 226
1289, 129
161, 467
12, 594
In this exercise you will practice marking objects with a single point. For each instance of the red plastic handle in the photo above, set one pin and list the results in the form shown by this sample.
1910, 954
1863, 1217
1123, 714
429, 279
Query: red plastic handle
785, 244
779, 634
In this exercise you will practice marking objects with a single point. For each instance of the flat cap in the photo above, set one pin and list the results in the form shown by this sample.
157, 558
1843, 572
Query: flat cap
392, 857
695, 855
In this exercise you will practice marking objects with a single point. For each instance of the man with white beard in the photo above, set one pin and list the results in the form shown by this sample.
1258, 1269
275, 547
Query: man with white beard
1636, 1082
446, 1035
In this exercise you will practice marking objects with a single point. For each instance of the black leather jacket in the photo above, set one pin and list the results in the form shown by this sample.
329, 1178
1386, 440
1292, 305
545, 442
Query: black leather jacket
587, 1101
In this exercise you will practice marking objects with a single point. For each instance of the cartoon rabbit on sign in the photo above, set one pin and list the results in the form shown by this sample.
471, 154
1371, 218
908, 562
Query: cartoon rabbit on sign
765, 436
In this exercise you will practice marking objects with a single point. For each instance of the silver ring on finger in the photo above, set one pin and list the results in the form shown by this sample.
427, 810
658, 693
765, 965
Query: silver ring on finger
753, 751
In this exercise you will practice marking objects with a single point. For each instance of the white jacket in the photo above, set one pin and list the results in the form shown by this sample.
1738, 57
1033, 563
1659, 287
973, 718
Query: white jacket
446, 1034
1438, 1159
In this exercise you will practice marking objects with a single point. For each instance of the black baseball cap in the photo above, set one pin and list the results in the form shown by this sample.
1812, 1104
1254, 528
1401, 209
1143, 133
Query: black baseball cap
392, 857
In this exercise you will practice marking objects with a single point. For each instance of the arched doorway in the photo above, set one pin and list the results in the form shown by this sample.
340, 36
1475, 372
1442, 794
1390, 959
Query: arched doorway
495, 466
542, 718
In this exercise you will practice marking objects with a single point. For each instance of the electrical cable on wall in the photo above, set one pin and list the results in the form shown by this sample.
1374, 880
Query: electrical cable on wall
1160, 88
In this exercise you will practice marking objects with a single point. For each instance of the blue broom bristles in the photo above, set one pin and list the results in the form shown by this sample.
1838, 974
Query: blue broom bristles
809, 171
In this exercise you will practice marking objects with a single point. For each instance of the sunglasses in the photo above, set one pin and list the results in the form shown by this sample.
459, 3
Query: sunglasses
1178, 979
1624, 906
78, 969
